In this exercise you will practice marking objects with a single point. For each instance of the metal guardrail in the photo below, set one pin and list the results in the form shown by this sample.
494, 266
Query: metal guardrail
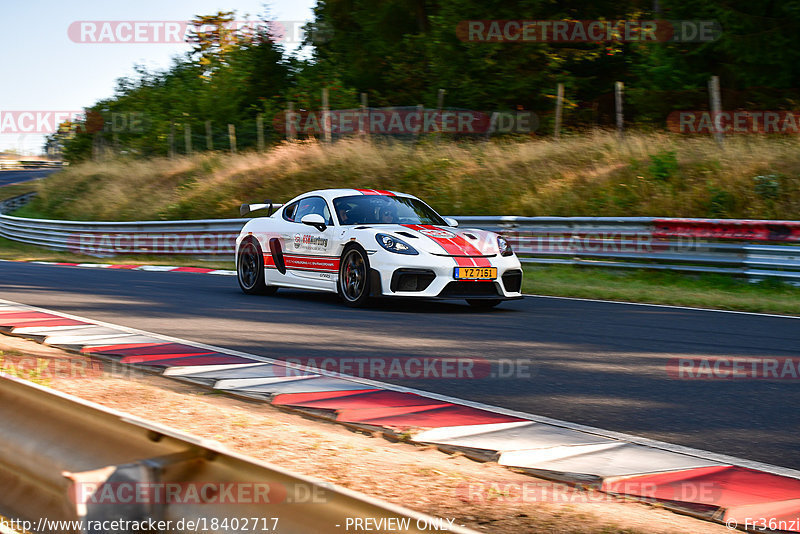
756, 249
8, 164
66, 459
105, 239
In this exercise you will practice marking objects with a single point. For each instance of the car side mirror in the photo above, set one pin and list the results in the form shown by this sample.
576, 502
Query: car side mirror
316, 220
451, 222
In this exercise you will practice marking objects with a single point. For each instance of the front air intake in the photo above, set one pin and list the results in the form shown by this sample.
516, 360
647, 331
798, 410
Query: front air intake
409, 280
512, 281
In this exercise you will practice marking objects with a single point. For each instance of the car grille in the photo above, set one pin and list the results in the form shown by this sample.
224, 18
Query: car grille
470, 289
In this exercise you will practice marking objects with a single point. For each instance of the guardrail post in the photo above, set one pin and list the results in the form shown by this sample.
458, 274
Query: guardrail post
171, 140
363, 119
439, 106
209, 137
559, 106
187, 137
232, 137
716, 109
260, 131
618, 87
326, 119
290, 131
420, 111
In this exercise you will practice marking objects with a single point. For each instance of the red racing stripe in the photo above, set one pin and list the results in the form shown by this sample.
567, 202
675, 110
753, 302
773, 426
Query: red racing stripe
454, 245
328, 264
376, 192
441, 242
300, 262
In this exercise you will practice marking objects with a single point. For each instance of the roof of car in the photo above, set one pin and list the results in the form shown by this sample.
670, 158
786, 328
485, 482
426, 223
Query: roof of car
330, 194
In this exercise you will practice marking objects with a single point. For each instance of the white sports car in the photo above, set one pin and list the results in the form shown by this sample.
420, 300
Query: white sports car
362, 243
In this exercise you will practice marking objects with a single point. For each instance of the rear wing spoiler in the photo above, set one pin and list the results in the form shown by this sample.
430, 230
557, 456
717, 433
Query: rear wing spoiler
246, 209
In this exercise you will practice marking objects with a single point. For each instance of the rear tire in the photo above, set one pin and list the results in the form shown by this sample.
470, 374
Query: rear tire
250, 269
483, 303
353, 285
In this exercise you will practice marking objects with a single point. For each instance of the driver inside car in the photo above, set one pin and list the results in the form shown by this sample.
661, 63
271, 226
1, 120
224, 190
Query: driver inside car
388, 214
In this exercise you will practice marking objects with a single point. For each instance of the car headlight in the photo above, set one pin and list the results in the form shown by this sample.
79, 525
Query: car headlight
504, 247
393, 244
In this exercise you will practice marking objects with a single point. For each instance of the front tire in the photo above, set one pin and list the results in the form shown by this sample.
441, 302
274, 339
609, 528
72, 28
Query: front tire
353, 282
250, 269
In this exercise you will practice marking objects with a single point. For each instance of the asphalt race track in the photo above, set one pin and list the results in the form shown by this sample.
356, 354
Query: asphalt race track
595, 363
13, 177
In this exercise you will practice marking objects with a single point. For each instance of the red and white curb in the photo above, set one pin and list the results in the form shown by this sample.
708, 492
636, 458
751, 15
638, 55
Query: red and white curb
705, 484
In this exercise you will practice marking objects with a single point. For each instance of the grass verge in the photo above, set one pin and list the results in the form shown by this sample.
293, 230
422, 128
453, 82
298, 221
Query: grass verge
721, 292
10, 191
649, 174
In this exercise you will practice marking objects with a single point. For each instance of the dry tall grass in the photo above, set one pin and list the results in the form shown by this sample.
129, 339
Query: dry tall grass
593, 174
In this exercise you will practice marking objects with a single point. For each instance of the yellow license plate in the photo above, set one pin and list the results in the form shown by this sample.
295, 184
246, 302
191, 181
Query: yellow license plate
475, 273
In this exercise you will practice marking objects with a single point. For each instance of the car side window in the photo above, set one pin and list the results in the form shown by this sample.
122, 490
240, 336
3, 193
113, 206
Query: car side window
309, 205
289, 211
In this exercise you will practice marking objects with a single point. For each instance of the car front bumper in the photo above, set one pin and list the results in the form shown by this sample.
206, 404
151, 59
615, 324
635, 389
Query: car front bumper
395, 275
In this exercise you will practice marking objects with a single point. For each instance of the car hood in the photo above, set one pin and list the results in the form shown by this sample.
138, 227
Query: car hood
443, 240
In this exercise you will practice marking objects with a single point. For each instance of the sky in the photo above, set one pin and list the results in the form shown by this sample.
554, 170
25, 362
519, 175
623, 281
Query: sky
50, 66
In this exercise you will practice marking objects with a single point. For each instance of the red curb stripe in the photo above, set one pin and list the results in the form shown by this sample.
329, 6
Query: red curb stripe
297, 399
156, 357
435, 416
26, 315
740, 492
191, 270
371, 399
29, 323
153, 349
731, 485
217, 359
102, 348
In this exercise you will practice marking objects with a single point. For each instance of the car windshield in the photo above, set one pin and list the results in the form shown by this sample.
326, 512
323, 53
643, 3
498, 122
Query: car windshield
384, 209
